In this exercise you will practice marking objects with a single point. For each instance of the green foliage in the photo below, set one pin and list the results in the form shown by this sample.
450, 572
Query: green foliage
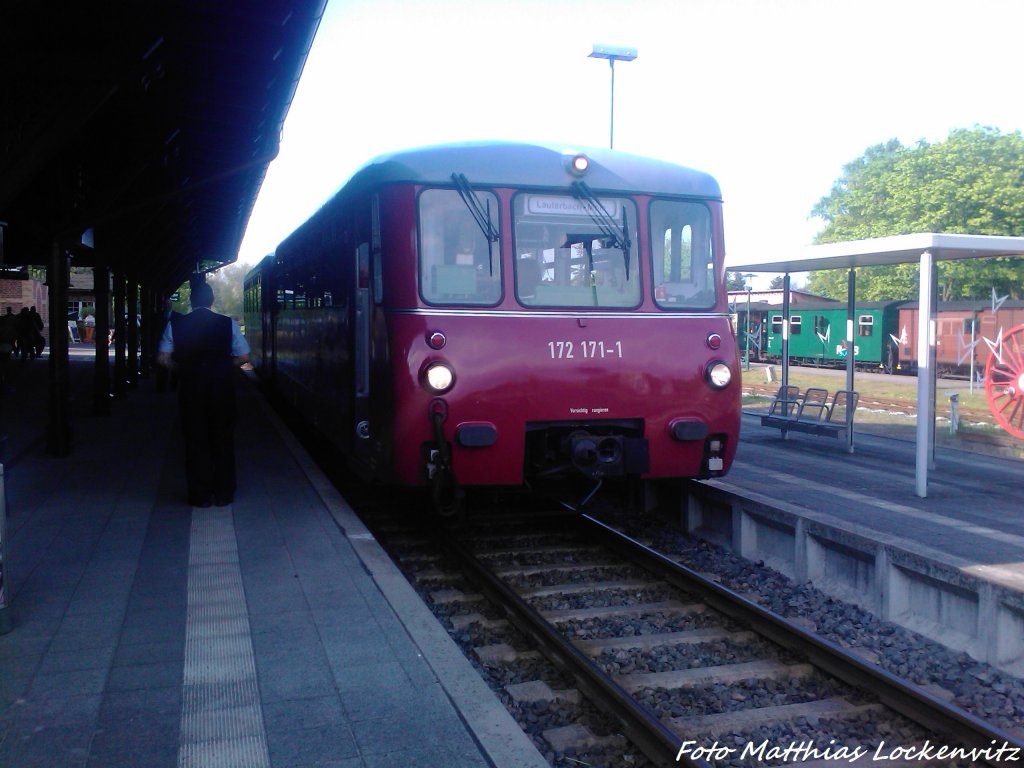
735, 281
971, 183
227, 291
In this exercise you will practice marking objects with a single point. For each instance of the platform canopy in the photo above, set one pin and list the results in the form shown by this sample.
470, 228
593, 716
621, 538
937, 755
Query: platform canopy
143, 129
926, 248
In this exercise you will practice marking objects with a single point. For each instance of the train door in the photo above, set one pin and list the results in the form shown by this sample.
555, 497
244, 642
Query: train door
268, 311
361, 341
368, 239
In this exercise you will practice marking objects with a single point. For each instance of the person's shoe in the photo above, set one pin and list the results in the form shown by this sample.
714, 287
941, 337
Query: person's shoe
195, 501
223, 501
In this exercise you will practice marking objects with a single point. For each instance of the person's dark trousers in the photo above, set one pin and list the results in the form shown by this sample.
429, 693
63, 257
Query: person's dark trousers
208, 421
165, 379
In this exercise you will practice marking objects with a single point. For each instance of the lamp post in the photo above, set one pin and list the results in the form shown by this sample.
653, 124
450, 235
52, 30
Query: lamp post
746, 335
613, 53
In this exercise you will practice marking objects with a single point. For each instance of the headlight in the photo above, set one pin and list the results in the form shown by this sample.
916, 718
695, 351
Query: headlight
718, 374
439, 377
576, 163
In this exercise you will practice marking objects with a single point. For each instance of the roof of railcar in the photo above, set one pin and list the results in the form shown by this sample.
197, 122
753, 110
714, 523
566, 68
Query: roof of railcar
970, 305
819, 306
495, 163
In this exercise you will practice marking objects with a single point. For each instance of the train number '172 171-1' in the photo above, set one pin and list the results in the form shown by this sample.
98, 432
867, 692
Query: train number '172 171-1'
585, 350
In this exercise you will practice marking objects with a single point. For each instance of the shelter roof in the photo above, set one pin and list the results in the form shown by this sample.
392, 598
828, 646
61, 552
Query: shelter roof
897, 249
150, 123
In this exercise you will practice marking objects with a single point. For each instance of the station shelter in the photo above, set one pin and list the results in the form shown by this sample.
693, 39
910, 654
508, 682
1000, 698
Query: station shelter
926, 249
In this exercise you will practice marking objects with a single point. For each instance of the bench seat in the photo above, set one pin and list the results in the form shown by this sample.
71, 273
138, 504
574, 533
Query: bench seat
824, 428
812, 412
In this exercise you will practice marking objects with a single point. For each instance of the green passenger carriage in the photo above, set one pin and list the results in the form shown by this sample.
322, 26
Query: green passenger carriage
818, 334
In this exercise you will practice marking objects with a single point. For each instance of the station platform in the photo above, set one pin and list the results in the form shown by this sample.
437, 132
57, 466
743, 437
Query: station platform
271, 632
950, 565
972, 509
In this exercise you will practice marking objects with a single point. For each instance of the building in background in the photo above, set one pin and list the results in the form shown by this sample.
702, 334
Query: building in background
774, 296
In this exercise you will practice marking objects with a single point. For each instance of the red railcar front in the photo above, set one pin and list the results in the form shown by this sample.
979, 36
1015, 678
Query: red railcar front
575, 331
499, 314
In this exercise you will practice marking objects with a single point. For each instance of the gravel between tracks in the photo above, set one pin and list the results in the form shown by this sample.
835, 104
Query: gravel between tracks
976, 687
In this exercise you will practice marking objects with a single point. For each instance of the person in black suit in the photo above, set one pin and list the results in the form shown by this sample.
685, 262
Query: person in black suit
205, 348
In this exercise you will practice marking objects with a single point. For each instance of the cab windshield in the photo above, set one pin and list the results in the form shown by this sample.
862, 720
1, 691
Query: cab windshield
458, 265
683, 264
571, 254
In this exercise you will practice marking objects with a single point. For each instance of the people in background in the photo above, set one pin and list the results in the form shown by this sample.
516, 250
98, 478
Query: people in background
38, 340
8, 340
26, 337
166, 379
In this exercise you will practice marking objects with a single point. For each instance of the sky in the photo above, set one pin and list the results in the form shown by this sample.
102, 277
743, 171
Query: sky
771, 97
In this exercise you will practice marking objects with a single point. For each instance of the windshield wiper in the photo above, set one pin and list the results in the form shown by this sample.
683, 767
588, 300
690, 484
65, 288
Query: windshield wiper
601, 217
481, 214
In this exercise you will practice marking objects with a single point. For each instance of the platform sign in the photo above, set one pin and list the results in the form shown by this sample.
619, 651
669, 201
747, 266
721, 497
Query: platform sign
73, 332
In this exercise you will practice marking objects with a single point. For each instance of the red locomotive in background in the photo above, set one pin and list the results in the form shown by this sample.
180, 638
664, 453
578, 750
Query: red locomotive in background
497, 314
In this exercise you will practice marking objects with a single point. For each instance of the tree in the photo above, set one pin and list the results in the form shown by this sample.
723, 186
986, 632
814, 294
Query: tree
227, 290
736, 281
777, 282
971, 183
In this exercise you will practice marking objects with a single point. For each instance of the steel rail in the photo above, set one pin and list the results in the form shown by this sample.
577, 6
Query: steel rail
900, 695
644, 728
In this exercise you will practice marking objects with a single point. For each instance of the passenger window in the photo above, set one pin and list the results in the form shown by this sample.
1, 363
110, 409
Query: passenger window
865, 325
795, 323
776, 323
457, 263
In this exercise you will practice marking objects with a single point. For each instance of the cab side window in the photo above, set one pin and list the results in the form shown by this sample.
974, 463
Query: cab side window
457, 264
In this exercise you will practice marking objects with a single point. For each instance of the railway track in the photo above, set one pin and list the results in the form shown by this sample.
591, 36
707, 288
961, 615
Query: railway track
688, 671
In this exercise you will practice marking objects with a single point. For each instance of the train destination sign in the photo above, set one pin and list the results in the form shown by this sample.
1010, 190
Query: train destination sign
567, 206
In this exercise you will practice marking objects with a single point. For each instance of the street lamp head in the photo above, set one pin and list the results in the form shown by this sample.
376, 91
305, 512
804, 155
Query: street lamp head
613, 52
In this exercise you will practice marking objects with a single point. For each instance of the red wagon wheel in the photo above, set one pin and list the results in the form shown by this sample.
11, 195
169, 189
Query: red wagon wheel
1004, 382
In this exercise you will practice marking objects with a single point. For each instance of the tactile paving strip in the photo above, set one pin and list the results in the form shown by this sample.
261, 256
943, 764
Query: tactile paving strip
221, 719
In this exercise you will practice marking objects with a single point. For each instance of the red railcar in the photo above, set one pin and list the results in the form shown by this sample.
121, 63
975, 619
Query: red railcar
953, 333
497, 314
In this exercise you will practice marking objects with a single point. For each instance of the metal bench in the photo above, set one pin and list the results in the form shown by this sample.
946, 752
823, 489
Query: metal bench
814, 413
786, 401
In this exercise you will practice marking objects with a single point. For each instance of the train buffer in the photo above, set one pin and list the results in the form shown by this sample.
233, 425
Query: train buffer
812, 411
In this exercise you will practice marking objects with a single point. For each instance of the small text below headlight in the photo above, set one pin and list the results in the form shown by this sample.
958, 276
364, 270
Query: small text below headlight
438, 377
718, 374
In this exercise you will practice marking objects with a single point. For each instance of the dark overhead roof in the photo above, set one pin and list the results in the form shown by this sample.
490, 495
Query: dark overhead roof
150, 122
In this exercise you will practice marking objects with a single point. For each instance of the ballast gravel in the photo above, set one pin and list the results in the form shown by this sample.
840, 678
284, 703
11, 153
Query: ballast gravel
979, 688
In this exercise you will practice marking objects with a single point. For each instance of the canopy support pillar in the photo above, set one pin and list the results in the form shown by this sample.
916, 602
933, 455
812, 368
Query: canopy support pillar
58, 431
925, 373
851, 362
785, 336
